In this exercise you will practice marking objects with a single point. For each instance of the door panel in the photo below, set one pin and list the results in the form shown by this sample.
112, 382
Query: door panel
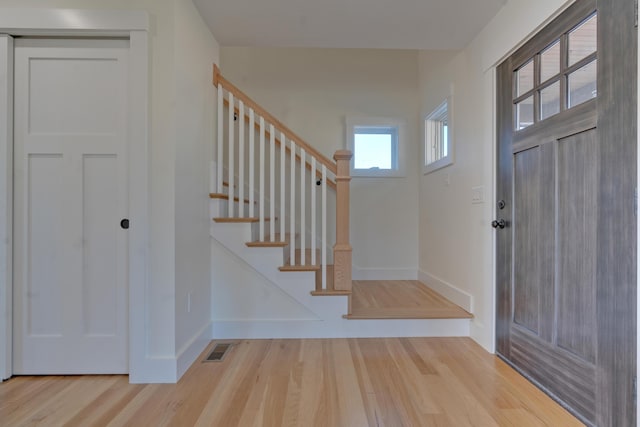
526, 290
44, 285
577, 221
566, 261
533, 271
89, 104
542, 208
70, 262
100, 196
570, 379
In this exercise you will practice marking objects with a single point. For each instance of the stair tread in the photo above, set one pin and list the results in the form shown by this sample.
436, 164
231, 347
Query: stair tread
267, 244
299, 268
400, 299
223, 196
239, 220
330, 293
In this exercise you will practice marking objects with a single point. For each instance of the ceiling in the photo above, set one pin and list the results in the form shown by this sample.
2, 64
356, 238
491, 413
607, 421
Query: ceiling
385, 24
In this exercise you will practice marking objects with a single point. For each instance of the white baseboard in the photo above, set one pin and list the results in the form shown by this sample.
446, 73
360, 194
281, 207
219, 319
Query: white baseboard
341, 328
482, 336
447, 290
192, 349
168, 370
155, 370
359, 273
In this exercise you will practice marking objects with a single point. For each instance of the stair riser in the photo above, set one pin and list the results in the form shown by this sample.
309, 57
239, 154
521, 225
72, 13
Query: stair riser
341, 328
220, 208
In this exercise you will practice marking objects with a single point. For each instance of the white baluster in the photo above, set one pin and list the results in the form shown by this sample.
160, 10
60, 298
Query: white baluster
292, 207
231, 152
313, 211
283, 143
220, 158
241, 160
324, 227
272, 183
252, 155
261, 180
303, 225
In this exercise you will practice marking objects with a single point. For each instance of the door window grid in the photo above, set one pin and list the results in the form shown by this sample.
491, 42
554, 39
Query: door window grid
539, 93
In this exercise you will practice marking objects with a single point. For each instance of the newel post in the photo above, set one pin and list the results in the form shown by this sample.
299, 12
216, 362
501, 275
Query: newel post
342, 248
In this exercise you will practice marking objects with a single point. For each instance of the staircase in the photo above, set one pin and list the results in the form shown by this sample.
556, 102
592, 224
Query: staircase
280, 214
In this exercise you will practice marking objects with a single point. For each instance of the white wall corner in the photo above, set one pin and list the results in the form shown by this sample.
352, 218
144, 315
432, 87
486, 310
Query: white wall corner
360, 273
192, 349
447, 290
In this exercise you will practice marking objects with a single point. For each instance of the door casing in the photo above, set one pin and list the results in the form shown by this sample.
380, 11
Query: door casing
85, 23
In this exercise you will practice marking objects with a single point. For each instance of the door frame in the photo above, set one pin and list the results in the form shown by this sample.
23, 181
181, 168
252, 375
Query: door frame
133, 25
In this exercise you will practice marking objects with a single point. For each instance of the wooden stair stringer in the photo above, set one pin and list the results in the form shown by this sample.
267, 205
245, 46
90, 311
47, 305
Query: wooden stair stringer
266, 261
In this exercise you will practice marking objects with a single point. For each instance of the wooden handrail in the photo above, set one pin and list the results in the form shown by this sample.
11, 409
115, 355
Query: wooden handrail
256, 125
219, 79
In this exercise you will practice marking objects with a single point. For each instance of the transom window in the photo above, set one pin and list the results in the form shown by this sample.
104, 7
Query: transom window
559, 77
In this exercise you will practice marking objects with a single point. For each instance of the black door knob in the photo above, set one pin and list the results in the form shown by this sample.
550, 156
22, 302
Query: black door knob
124, 224
500, 223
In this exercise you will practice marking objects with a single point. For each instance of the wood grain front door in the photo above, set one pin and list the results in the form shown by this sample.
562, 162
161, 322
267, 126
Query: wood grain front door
566, 227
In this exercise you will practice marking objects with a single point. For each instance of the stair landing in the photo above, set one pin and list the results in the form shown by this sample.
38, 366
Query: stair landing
400, 299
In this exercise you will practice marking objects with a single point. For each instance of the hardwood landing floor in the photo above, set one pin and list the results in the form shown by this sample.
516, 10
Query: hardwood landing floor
400, 299
325, 383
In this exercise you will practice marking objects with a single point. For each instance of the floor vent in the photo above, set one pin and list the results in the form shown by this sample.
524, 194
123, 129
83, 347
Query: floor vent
218, 353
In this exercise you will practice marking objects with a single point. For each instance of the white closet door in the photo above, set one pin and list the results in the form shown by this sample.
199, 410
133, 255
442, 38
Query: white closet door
70, 252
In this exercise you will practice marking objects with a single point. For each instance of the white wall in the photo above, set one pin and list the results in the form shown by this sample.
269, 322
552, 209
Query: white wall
312, 91
174, 24
456, 241
240, 293
195, 52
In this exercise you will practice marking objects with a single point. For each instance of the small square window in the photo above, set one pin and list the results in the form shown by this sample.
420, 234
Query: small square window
375, 143
375, 147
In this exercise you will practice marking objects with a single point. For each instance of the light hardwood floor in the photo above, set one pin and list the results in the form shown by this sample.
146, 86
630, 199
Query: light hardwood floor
325, 383
400, 299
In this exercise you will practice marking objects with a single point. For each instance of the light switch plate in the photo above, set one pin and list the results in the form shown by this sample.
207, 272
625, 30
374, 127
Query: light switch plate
477, 195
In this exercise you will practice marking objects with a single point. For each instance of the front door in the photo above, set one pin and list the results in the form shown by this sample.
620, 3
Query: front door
566, 226
70, 194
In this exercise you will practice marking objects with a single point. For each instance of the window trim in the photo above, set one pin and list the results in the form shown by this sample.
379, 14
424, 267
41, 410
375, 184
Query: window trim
447, 160
398, 156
